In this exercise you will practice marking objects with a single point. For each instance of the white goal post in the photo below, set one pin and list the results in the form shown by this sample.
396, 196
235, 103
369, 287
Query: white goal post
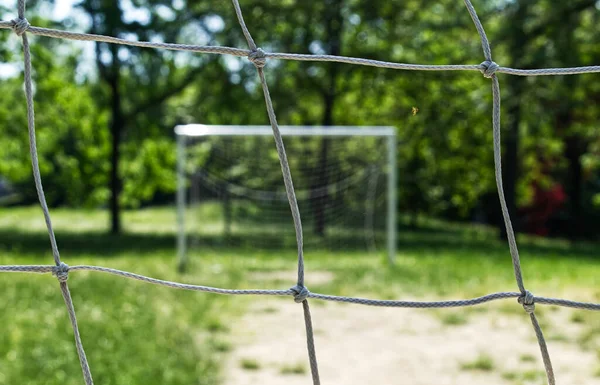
183, 132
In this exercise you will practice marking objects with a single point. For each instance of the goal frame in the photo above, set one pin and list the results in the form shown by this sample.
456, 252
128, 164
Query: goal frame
182, 132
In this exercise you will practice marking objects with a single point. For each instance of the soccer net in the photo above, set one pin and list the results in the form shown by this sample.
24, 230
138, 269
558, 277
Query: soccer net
299, 291
230, 189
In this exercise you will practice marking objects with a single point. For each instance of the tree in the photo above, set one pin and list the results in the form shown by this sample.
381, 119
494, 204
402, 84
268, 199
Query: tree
518, 43
443, 118
72, 151
153, 74
544, 35
304, 93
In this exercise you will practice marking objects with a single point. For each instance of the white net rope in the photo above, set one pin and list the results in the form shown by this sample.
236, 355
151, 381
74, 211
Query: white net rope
300, 293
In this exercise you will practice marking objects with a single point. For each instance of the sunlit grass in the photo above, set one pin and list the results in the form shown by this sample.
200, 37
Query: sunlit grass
297, 368
127, 329
454, 318
250, 364
137, 333
527, 358
482, 362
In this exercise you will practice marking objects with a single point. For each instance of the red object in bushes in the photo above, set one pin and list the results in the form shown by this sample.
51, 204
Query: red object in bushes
546, 202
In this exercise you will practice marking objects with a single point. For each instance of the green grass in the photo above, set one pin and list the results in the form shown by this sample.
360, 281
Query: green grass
558, 337
577, 318
135, 333
298, 368
132, 332
533, 375
527, 358
249, 364
510, 376
125, 327
526, 377
483, 363
453, 318
220, 345
590, 337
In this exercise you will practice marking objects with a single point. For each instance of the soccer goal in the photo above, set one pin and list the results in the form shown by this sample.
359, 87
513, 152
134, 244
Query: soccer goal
229, 187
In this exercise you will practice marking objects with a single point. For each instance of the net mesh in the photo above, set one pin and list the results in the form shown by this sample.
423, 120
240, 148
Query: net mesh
300, 293
236, 197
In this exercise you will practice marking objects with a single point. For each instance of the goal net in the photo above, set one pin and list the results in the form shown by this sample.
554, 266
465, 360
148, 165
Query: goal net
230, 191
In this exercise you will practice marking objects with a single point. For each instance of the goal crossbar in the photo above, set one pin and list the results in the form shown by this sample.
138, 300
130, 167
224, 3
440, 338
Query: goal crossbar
325, 131
201, 130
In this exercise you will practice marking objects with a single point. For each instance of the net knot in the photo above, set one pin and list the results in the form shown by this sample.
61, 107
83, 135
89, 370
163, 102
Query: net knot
258, 58
300, 293
488, 68
61, 272
528, 301
20, 25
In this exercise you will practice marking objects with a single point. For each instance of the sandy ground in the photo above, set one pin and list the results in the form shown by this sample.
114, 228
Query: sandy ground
366, 345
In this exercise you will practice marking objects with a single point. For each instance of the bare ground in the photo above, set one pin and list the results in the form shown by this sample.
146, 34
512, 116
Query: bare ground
366, 345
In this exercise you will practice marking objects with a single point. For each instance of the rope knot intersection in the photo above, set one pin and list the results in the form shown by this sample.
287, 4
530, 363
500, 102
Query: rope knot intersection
300, 293
61, 272
528, 301
20, 25
488, 68
258, 58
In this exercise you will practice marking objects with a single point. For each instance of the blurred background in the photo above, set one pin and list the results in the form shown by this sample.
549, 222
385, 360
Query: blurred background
105, 116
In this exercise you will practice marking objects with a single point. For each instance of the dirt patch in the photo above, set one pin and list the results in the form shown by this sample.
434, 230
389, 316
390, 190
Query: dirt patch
364, 345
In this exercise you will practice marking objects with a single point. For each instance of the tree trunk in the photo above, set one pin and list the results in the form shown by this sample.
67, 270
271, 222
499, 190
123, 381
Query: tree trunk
574, 149
575, 144
117, 125
333, 35
510, 165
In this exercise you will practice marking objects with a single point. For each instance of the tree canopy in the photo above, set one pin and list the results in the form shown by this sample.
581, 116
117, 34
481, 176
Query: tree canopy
106, 130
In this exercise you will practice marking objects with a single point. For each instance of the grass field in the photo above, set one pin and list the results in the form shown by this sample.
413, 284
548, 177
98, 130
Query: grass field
135, 333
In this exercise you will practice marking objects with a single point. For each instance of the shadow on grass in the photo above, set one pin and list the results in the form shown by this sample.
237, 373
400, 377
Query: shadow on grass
417, 241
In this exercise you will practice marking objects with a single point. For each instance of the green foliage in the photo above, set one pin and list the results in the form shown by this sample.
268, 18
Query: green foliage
150, 169
72, 142
443, 119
